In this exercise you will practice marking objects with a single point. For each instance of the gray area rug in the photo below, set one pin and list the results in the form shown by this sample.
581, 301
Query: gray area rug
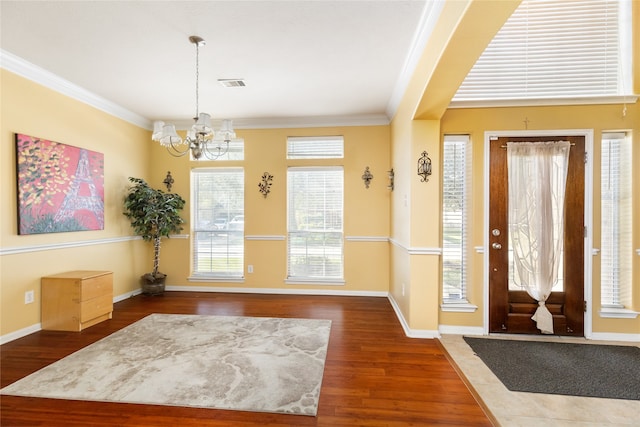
592, 370
221, 362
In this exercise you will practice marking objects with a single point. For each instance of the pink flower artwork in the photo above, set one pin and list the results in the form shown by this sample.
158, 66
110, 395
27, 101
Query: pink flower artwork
60, 187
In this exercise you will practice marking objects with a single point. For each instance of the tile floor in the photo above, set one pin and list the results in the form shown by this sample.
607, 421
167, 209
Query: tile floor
518, 409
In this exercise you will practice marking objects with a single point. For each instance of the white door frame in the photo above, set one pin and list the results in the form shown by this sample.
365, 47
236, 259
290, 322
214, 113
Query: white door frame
588, 215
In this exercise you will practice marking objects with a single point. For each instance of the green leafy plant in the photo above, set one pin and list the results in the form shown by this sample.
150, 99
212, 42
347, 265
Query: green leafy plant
153, 214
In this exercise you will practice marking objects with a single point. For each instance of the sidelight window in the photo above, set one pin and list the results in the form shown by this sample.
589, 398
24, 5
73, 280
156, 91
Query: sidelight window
616, 250
456, 180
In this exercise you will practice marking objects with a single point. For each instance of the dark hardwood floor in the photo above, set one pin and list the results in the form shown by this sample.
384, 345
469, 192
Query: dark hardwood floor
374, 374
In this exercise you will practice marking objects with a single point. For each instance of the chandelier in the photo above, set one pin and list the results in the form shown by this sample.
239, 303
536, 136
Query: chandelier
201, 139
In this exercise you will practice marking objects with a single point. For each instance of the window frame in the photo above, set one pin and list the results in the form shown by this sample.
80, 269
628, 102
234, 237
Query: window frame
305, 153
236, 148
461, 253
209, 230
523, 48
616, 223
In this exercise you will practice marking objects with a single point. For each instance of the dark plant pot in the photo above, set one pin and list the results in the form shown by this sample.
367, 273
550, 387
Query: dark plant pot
153, 285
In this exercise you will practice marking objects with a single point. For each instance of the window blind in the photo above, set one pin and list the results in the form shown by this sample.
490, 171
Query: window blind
315, 223
455, 207
218, 221
315, 147
555, 49
616, 250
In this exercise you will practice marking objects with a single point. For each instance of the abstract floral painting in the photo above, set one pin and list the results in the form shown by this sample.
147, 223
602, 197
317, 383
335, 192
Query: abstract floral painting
60, 187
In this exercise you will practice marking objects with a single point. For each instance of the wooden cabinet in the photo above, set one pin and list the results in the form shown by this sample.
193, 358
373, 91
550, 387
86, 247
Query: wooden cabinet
75, 300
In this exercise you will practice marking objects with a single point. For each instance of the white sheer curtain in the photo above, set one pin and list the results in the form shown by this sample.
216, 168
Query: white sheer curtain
537, 183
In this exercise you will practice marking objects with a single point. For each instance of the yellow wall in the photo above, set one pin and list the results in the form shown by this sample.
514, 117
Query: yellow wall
459, 37
31, 109
128, 151
366, 210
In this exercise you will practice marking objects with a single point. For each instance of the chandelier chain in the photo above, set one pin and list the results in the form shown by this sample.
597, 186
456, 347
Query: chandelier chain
197, 79
200, 140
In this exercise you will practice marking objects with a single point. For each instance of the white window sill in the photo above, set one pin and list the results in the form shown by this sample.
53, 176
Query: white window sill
216, 279
618, 313
458, 307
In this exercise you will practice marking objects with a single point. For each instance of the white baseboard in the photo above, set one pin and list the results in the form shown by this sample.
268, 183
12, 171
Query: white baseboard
126, 295
38, 326
610, 336
460, 330
278, 291
411, 333
20, 333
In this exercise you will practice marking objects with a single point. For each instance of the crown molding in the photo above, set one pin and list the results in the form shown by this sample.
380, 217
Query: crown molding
428, 20
23, 68
295, 122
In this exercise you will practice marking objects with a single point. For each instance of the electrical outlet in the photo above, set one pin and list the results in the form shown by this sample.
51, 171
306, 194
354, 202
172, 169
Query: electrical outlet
250, 268
28, 297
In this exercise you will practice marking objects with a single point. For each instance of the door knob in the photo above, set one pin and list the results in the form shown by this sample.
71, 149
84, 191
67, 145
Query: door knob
496, 246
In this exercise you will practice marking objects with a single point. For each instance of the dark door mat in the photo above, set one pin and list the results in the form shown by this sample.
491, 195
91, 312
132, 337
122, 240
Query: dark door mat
592, 370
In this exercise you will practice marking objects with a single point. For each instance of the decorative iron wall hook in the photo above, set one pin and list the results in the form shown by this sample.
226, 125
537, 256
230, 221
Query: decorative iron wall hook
168, 181
367, 177
424, 167
265, 185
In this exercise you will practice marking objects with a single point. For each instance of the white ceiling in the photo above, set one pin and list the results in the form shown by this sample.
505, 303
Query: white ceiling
299, 59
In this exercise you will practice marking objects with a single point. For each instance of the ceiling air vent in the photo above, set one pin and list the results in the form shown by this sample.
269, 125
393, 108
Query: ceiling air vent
232, 82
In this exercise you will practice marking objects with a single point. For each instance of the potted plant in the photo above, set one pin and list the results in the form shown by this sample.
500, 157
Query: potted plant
153, 214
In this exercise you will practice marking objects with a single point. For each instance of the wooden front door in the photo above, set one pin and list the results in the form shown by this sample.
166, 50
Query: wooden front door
510, 310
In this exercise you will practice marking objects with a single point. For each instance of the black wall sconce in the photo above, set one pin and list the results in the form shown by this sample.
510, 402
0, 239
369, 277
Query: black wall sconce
424, 167
367, 177
392, 175
168, 181
265, 185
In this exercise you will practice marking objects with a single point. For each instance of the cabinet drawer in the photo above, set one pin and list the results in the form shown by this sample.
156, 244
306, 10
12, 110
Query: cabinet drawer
96, 287
95, 307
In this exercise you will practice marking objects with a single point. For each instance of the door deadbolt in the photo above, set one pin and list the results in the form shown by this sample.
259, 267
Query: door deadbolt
495, 232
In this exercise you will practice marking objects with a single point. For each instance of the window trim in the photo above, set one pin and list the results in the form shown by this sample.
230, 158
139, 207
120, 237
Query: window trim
238, 143
313, 155
225, 276
316, 280
461, 304
618, 309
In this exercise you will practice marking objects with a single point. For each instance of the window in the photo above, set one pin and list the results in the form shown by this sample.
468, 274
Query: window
555, 49
455, 210
315, 218
218, 222
235, 152
315, 210
315, 147
616, 211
